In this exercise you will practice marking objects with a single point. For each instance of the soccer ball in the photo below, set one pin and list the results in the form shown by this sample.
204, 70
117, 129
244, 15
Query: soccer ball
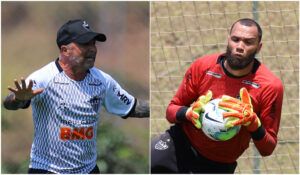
213, 124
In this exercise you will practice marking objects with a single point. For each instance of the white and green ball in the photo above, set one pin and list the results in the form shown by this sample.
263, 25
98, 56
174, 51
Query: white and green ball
213, 124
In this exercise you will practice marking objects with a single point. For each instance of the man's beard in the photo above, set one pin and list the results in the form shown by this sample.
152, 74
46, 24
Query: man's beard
90, 55
238, 63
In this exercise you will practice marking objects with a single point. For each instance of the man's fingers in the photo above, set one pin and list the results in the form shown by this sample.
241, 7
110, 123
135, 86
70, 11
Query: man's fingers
233, 114
23, 83
197, 123
245, 96
12, 89
227, 109
226, 98
36, 92
195, 115
197, 106
230, 106
17, 84
30, 84
238, 122
208, 97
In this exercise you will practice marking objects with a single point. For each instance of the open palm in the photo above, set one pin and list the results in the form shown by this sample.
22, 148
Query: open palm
24, 92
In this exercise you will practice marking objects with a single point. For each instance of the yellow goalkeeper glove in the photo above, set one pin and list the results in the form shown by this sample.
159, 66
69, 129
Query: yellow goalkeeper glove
242, 110
193, 112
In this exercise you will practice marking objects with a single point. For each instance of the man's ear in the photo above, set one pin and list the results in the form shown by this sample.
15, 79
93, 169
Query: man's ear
64, 50
259, 47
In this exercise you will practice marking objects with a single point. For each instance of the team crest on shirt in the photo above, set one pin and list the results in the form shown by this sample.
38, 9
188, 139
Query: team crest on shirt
161, 145
96, 103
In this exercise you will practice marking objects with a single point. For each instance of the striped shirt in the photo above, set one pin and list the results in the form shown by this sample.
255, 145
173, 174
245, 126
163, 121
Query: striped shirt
65, 117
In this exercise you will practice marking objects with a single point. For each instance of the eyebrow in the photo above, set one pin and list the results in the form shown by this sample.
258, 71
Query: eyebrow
252, 38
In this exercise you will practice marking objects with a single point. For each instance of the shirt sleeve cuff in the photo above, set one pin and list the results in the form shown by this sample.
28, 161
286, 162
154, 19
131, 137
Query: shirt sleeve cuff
180, 114
131, 110
259, 133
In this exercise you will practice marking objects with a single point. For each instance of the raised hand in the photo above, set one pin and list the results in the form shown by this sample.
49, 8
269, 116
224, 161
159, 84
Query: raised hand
24, 93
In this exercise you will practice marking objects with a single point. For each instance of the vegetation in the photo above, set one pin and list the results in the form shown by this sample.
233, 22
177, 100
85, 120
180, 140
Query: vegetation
115, 155
29, 38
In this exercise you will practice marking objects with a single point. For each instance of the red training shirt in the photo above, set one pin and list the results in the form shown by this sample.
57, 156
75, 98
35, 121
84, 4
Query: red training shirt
208, 73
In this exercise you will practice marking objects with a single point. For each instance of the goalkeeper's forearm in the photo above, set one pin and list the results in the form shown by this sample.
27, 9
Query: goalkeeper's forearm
264, 141
176, 113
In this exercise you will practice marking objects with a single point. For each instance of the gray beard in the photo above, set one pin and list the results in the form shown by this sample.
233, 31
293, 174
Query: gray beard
236, 63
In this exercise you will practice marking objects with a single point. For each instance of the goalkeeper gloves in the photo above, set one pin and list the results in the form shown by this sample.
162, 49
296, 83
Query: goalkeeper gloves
241, 110
193, 112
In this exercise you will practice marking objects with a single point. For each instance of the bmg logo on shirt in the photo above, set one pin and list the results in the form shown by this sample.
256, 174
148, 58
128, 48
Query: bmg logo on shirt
67, 133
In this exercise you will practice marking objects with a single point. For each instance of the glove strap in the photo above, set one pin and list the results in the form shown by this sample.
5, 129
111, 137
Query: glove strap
180, 114
259, 133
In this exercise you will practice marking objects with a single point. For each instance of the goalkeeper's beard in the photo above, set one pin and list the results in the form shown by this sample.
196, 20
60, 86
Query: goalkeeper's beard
237, 63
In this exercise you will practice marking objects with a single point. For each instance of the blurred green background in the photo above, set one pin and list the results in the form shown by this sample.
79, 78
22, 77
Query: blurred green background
29, 42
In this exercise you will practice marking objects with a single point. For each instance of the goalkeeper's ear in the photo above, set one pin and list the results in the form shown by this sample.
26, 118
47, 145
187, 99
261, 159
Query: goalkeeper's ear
259, 47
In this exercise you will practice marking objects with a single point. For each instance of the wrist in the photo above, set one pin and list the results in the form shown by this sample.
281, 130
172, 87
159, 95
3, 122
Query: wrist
254, 125
20, 103
181, 114
259, 133
12, 103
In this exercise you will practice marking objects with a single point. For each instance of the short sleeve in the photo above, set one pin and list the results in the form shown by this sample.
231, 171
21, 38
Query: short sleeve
36, 84
117, 100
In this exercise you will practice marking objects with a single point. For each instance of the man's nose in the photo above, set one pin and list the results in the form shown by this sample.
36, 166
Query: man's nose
240, 47
92, 48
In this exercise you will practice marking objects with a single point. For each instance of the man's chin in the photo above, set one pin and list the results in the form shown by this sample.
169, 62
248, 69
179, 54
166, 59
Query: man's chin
238, 57
89, 65
238, 63
90, 61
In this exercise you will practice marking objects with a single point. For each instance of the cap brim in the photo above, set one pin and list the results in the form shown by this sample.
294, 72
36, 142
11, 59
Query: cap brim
89, 36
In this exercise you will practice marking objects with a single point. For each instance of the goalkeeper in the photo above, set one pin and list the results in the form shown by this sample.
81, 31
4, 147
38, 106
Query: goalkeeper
256, 105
